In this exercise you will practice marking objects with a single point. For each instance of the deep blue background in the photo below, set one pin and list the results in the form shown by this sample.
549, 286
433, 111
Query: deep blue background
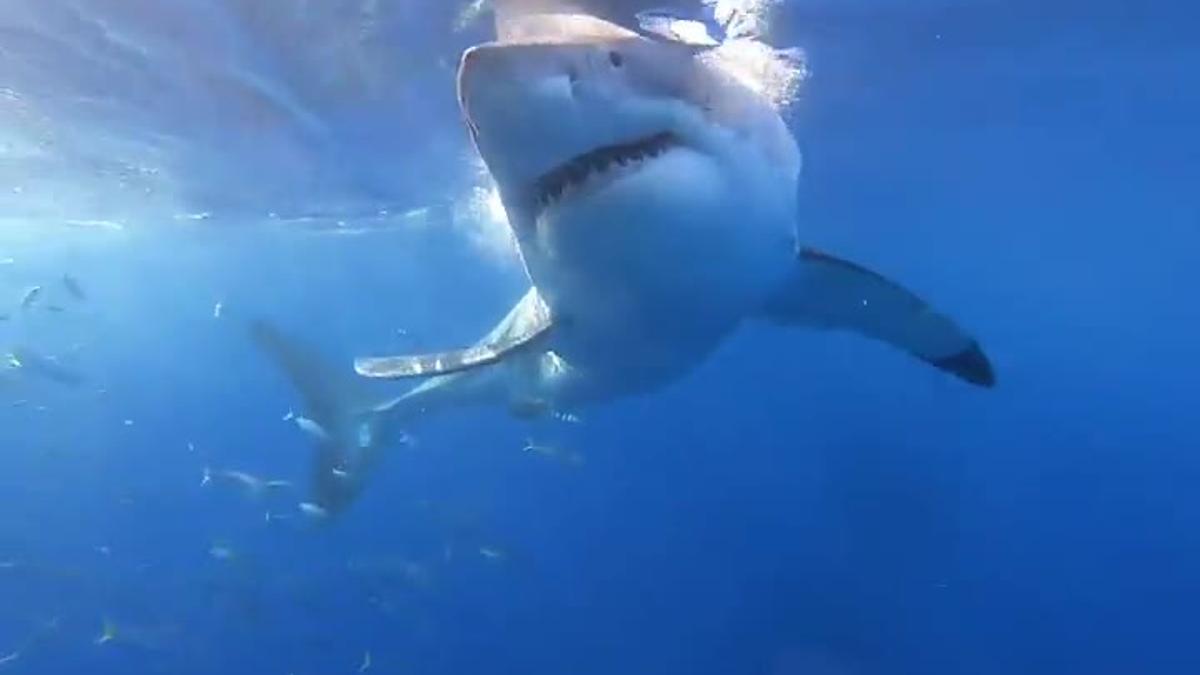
804, 504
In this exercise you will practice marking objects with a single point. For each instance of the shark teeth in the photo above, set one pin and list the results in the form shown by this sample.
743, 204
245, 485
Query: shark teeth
550, 187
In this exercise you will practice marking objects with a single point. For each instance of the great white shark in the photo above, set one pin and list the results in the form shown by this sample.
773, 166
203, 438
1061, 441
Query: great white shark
653, 199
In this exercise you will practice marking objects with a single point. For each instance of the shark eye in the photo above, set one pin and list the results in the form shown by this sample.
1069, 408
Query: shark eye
616, 58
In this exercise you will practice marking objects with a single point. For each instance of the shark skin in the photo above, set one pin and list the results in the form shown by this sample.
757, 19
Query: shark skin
653, 200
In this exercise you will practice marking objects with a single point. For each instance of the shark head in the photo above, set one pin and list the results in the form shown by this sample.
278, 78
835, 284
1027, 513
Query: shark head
543, 110
568, 97
639, 178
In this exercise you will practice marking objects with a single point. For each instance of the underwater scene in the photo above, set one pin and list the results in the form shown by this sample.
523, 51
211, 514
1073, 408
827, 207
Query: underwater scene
693, 337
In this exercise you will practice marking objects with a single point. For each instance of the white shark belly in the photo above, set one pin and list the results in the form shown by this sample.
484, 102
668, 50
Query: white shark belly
646, 275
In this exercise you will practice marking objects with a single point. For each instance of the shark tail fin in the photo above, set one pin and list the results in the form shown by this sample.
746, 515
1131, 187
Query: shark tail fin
347, 435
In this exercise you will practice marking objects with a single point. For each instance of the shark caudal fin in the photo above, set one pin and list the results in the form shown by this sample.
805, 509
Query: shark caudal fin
828, 292
348, 434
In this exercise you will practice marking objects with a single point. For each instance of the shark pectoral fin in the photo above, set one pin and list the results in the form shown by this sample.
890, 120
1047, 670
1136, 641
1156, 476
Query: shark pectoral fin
827, 292
437, 363
528, 321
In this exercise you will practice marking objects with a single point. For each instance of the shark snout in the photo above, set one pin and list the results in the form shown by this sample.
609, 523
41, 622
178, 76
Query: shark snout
471, 68
497, 83
487, 72
468, 67
522, 107
482, 80
545, 115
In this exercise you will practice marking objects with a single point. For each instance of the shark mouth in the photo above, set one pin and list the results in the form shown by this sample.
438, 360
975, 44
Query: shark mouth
550, 187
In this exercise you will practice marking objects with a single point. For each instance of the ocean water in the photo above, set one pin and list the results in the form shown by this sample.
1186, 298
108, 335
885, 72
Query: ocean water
804, 503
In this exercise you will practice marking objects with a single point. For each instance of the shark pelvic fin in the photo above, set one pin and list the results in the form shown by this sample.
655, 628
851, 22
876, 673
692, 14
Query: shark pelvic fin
828, 292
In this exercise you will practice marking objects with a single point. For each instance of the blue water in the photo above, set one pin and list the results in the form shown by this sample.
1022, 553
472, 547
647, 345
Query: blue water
803, 504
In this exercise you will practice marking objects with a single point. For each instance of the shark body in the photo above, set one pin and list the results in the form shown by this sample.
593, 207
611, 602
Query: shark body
653, 199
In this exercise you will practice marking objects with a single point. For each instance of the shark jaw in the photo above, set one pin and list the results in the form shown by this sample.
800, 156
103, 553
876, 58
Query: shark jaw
593, 170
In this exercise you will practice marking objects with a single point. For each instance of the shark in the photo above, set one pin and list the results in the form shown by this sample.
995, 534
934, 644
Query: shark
653, 199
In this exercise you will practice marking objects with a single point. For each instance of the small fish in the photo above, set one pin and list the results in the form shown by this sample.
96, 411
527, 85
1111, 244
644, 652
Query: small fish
73, 287
340, 473
3, 317
218, 309
569, 457
269, 517
569, 418
538, 449
311, 428
313, 510
9, 658
30, 297
289, 416
108, 633
529, 408
191, 447
128, 423
57, 309
366, 664
221, 552
251, 483
206, 478
95, 224
492, 553
103, 550
40, 365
